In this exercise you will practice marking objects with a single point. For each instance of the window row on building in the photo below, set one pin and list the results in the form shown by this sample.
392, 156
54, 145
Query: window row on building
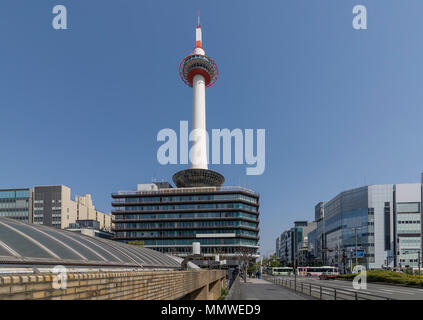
187, 224
184, 233
185, 215
203, 242
188, 206
183, 198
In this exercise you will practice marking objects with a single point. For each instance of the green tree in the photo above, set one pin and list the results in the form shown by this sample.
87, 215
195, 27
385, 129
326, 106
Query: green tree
254, 267
274, 263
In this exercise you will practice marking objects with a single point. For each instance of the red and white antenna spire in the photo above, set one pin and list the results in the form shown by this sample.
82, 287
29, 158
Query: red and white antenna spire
198, 34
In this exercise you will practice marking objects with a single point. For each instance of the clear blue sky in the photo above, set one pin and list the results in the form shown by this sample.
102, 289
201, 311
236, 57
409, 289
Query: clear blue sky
342, 108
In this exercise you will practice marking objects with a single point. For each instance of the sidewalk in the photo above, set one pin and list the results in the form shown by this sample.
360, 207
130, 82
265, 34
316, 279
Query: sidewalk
257, 281
260, 289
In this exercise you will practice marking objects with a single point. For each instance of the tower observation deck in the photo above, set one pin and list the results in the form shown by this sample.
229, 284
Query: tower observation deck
198, 71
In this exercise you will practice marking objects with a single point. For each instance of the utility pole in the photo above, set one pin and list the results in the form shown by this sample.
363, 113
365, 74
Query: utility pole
295, 257
344, 260
295, 272
356, 257
323, 236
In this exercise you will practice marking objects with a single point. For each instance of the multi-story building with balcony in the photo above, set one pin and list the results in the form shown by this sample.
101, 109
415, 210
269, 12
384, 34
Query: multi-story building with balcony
223, 219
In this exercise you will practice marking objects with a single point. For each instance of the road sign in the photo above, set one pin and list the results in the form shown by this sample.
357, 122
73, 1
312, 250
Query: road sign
360, 253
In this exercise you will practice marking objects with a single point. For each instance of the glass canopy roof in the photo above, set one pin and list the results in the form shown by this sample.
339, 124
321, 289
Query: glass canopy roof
28, 244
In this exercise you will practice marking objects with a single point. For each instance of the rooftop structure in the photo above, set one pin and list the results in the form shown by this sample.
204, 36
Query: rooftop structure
89, 228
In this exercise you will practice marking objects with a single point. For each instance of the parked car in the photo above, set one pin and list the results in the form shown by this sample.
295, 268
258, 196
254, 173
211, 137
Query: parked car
327, 276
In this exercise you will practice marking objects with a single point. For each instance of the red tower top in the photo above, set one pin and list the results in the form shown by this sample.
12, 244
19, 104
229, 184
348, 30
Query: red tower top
198, 63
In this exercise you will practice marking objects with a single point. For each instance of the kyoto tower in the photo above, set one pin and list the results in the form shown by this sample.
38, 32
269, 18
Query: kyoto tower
199, 72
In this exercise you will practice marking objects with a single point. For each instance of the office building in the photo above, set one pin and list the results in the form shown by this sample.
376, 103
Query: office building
294, 244
85, 210
312, 246
53, 206
377, 226
285, 250
16, 204
224, 220
302, 230
278, 247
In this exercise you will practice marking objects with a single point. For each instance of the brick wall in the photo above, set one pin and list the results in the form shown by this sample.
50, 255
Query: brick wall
157, 285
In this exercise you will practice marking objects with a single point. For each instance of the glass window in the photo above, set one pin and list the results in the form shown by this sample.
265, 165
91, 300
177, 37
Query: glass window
410, 207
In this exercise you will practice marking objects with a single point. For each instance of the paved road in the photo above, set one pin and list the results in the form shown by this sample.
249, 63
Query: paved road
259, 289
388, 291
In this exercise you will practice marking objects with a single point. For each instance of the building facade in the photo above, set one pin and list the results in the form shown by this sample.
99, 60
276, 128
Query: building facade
294, 244
408, 228
53, 206
313, 246
85, 210
16, 204
278, 247
223, 219
302, 251
378, 226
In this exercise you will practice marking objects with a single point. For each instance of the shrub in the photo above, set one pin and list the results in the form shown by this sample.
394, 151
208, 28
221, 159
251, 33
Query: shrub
223, 293
388, 277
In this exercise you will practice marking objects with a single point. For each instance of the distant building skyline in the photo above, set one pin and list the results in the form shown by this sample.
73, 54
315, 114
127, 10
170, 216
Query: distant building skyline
50, 206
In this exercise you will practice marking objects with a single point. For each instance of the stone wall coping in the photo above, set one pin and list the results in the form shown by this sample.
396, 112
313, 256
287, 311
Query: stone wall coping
36, 278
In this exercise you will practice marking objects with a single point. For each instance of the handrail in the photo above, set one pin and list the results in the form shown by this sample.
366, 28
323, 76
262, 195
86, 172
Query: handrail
319, 291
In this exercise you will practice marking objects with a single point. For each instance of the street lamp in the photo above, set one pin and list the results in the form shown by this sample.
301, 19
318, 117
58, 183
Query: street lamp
356, 249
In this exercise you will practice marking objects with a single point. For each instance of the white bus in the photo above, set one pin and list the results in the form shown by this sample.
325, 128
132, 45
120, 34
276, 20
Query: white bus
280, 271
317, 271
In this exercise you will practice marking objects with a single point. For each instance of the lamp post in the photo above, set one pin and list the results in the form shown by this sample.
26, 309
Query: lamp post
356, 256
356, 244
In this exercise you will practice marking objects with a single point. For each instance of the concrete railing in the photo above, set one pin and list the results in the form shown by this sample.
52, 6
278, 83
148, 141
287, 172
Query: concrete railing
235, 290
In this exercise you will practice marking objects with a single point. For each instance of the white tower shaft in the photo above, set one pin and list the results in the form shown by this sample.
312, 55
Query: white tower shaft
199, 133
198, 71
